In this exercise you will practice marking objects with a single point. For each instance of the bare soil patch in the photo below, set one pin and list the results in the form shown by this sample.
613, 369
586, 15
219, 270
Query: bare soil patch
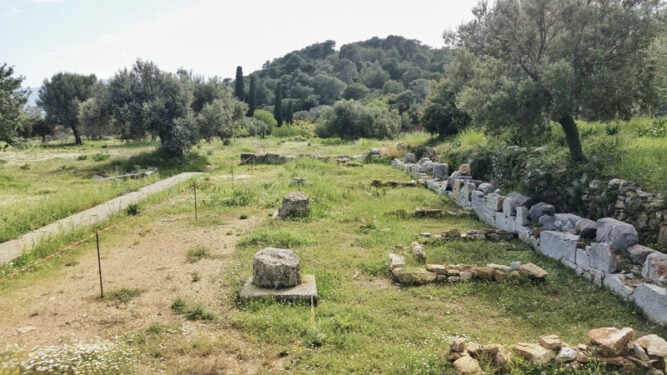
65, 306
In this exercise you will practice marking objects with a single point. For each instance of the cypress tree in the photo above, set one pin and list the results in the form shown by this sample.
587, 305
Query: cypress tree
238, 84
278, 105
252, 96
289, 113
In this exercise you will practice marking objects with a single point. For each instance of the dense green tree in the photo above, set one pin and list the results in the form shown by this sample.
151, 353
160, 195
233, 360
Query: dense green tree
61, 96
267, 118
525, 62
373, 76
355, 91
440, 115
329, 88
278, 105
221, 118
252, 95
352, 120
239, 89
12, 98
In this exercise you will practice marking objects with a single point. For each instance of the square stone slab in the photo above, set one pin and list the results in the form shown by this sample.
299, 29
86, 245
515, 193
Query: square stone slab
303, 292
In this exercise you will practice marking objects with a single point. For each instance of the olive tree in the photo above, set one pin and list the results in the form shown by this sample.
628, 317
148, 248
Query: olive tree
526, 62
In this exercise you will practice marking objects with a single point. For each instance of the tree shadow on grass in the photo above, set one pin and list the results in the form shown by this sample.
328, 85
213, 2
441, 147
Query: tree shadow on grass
166, 165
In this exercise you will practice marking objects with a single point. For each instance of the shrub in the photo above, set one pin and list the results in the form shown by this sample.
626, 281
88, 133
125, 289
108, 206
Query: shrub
299, 128
350, 120
267, 118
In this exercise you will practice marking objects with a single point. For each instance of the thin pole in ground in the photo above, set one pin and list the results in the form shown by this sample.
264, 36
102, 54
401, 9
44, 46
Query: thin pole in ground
194, 188
99, 262
232, 169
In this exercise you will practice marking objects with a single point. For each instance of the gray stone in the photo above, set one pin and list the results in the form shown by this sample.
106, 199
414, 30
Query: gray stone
486, 188
397, 163
520, 199
295, 204
478, 199
456, 175
509, 206
662, 236
566, 222
423, 161
410, 157
540, 209
559, 245
596, 276
506, 223
396, 261
655, 268
305, 292
418, 252
566, 354
548, 222
582, 258
515, 265
586, 228
440, 171
275, 268
533, 271
639, 253
522, 216
494, 202
617, 233
652, 299
615, 283
602, 258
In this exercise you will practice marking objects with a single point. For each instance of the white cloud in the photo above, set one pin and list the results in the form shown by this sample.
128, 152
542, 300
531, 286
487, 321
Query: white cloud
46, 1
9, 11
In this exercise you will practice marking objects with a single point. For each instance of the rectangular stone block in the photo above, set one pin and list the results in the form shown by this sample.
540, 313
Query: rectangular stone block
509, 206
495, 202
597, 276
601, 257
652, 300
522, 216
569, 264
526, 235
559, 245
504, 223
615, 283
478, 199
582, 258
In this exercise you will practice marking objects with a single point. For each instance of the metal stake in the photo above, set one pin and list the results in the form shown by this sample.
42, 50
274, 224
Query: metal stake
99, 262
194, 187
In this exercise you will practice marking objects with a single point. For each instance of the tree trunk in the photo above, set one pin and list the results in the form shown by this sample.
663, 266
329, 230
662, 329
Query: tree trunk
572, 137
77, 136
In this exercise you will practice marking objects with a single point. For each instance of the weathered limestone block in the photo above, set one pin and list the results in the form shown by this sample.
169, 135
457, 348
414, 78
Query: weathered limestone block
540, 209
610, 340
478, 200
618, 234
494, 202
583, 258
464, 169
639, 253
559, 245
535, 353
596, 276
566, 222
602, 258
486, 188
414, 276
654, 345
547, 222
457, 187
418, 252
457, 344
438, 269
275, 268
467, 365
409, 157
655, 268
652, 299
533, 271
396, 261
509, 206
440, 171
615, 283
566, 354
522, 216
551, 342
397, 163
295, 204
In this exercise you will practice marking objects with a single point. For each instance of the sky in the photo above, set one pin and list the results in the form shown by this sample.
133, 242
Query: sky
209, 37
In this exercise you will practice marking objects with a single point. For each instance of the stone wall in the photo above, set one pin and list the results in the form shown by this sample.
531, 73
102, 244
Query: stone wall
605, 252
625, 201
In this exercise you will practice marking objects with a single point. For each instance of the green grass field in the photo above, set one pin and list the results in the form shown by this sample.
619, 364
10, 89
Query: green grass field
364, 322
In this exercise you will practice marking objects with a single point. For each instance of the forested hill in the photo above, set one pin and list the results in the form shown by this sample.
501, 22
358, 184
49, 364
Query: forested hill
393, 68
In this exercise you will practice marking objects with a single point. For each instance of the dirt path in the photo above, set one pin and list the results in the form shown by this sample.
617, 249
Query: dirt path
65, 307
12, 249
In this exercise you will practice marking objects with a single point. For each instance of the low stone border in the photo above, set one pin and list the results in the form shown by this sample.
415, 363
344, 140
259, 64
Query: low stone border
605, 252
612, 347
453, 273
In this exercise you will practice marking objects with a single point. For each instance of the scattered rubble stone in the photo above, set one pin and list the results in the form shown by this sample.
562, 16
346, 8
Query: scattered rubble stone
534, 353
552, 342
611, 341
467, 365
428, 212
418, 252
275, 268
294, 204
413, 276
